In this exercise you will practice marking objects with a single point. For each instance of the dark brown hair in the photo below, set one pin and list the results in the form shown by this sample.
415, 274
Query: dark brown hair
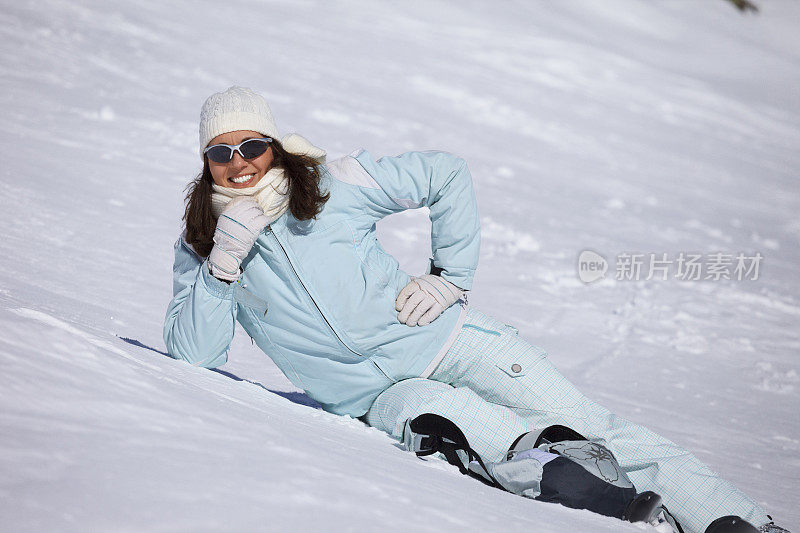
306, 200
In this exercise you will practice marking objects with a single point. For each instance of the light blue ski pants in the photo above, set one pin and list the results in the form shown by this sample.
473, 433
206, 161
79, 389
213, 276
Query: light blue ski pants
495, 386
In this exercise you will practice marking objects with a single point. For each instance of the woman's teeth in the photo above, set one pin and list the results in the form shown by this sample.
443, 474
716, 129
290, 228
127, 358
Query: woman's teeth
242, 179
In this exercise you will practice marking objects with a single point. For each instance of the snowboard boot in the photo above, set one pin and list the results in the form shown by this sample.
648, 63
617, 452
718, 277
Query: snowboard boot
731, 524
734, 524
643, 508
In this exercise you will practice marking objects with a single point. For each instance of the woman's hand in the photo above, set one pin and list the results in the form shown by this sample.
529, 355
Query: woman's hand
424, 299
238, 227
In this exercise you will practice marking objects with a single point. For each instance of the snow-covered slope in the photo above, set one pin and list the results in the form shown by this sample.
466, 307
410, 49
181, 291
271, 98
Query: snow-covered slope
616, 126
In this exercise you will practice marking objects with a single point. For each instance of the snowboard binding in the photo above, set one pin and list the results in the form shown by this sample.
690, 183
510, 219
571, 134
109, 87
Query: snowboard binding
556, 464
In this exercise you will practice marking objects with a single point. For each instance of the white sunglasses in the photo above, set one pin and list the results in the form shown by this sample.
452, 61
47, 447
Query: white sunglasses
222, 153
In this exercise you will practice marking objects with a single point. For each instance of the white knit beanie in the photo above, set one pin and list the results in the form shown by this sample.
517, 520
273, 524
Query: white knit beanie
236, 108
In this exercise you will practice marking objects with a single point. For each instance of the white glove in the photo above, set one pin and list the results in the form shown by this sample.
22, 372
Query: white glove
238, 227
424, 299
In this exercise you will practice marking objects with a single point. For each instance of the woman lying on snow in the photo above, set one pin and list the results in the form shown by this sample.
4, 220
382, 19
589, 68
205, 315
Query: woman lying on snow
285, 243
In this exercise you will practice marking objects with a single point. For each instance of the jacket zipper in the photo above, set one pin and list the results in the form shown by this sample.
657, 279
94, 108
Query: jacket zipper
269, 228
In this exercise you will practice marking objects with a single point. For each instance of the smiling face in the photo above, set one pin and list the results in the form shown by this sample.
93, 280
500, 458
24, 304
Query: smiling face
239, 173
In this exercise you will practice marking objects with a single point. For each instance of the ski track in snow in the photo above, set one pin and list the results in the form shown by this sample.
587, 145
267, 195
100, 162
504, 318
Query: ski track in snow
617, 127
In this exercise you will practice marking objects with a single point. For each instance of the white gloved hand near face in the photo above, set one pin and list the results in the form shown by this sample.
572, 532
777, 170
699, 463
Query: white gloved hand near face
424, 299
238, 227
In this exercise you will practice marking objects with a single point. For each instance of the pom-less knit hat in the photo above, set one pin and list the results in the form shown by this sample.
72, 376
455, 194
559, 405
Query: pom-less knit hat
236, 108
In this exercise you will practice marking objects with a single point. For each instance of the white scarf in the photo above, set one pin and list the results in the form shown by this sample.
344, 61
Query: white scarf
271, 193
272, 190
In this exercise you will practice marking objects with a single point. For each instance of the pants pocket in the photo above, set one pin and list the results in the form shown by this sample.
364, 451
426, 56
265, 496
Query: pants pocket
523, 379
512, 366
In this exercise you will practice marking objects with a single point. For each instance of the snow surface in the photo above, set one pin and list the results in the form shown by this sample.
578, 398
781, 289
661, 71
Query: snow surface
616, 126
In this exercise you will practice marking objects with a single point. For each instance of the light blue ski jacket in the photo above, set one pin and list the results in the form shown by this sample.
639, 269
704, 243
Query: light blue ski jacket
318, 296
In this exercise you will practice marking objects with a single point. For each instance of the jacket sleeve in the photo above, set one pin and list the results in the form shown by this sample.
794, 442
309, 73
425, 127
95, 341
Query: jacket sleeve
441, 182
201, 317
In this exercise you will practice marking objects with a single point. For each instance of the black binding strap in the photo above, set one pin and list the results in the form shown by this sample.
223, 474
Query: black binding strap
674, 520
443, 436
557, 433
